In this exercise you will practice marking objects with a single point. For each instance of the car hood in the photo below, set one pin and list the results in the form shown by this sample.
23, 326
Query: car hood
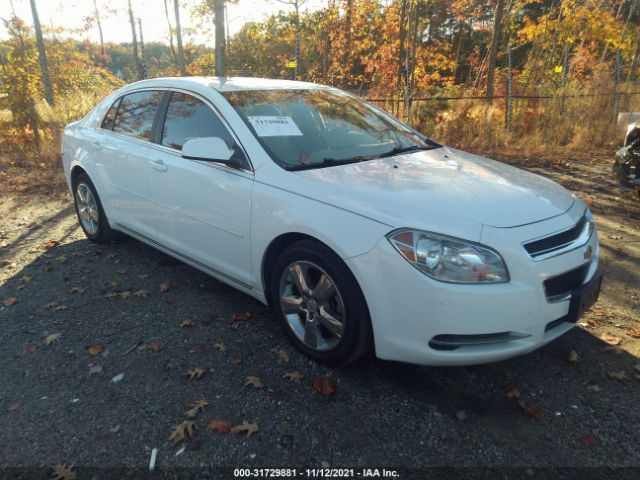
407, 189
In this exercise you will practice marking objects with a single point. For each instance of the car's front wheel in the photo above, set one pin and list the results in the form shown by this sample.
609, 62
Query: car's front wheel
319, 302
90, 213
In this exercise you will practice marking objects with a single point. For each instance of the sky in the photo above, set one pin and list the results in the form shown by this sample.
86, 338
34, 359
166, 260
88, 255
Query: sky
70, 14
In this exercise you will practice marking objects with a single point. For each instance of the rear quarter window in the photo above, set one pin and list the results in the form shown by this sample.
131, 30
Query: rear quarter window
109, 118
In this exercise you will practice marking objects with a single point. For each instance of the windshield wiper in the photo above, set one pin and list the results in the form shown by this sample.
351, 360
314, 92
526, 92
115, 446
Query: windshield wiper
399, 150
330, 162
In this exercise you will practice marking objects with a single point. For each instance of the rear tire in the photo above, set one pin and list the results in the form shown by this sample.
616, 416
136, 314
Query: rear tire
320, 304
91, 216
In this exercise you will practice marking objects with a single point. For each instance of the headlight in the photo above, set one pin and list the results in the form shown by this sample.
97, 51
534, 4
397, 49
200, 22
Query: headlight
449, 259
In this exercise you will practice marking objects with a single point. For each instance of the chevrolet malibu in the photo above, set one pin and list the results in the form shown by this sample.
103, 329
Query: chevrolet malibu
359, 232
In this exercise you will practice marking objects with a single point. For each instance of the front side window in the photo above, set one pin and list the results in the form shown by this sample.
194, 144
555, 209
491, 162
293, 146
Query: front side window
188, 118
136, 114
321, 127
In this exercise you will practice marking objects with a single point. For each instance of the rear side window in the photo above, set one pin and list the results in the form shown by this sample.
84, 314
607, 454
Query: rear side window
187, 118
109, 118
136, 114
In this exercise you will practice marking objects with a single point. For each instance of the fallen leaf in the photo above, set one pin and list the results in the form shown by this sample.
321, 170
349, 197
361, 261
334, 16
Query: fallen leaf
283, 355
111, 295
220, 347
165, 287
235, 361
633, 332
121, 271
324, 386
62, 472
96, 350
142, 294
588, 439
79, 290
195, 374
611, 339
62, 259
182, 431
514, 393
154, 346
530, 409
32, 348
51, 306
249, 427
197, 349
95, 370
51, 338
124, 294
186, 323
196, 407
5, 263
254, 382
240, 317
51, 244
573, 356
219, 426
621, 375
294, 377
10, 302
60, 307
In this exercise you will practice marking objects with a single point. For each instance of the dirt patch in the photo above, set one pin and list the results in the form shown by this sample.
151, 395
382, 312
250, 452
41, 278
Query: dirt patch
62, 402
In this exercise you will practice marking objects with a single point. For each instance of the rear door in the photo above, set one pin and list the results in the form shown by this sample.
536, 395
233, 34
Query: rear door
125, 159
201, 209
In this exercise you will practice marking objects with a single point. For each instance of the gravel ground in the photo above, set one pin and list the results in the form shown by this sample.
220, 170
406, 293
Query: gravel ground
60, 402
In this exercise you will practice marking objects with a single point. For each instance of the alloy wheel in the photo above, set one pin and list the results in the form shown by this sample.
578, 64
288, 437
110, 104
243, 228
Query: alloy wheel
312, 305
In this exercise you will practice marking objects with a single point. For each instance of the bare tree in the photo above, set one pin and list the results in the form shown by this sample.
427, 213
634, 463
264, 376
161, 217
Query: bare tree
171, 46
134, 38
495, 41
99, 24
181, 66
220, 37
42, 55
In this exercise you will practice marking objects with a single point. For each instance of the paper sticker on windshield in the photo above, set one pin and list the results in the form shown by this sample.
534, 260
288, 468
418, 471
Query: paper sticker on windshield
267, 126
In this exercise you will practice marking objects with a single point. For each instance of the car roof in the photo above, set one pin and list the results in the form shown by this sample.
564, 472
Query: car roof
227, 84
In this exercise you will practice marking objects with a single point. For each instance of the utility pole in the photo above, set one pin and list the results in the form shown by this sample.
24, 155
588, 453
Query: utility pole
220, 37
42, 55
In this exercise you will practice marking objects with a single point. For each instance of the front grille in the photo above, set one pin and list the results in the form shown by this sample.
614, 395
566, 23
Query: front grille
562, 285
555, 242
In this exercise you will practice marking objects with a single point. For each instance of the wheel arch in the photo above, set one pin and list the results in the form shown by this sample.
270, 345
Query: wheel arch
76, 171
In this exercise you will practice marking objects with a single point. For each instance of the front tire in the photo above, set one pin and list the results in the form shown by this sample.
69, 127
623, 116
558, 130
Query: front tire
91, 216
319, 302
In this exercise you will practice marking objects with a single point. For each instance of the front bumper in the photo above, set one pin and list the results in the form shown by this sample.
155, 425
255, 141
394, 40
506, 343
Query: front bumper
409, 310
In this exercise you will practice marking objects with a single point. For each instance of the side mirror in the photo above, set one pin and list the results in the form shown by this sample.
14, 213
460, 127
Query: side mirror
212, 149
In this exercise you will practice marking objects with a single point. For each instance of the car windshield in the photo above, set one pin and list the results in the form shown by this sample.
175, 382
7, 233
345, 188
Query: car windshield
322, 127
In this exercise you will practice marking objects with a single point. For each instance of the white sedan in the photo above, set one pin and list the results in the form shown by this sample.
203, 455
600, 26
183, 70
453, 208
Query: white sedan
358, 231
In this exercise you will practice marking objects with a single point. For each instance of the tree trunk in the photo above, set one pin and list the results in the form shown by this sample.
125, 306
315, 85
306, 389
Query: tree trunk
134, 38
42, 55
220, 38
142, 55
181, 66
171, 46
495, 42
99, 23
403, 33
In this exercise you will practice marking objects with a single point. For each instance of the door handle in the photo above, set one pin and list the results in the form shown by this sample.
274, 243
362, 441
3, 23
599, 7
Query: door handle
158, 165
97, 145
